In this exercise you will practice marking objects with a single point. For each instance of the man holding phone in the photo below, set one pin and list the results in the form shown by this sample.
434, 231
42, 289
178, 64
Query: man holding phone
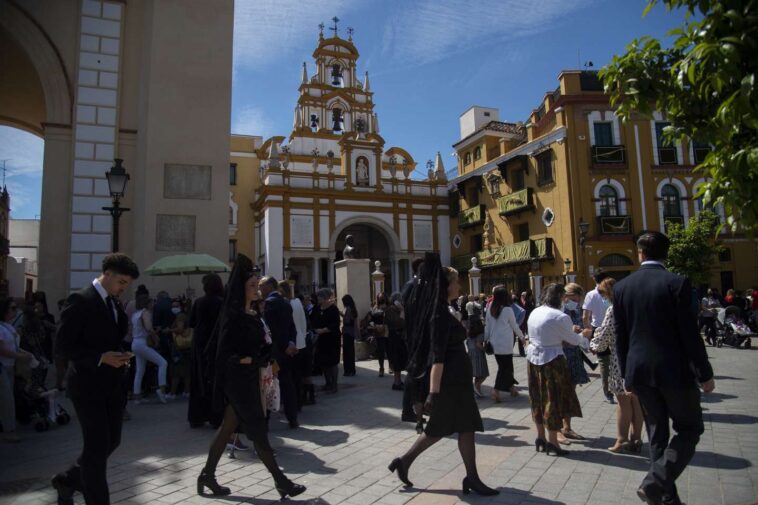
90, 337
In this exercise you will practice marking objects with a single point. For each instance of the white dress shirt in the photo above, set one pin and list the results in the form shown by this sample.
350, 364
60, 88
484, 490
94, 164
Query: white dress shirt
548, 328
499, 330
298, 314
104, 295
594, 303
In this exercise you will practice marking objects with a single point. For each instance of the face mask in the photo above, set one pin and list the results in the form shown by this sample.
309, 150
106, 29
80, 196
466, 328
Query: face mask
606, 302
175, 310
570, 305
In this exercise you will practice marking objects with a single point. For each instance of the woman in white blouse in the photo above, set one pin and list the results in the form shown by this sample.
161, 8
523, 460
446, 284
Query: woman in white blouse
500, 327
551, 393
9, 353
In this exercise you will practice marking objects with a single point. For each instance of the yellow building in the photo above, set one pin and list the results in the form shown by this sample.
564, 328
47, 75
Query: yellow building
334, 176
564, 195
244, 177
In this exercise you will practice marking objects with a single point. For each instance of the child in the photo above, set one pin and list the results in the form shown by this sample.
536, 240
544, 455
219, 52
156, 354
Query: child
475, 346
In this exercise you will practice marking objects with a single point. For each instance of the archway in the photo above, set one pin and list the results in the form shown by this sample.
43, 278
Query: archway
371, 243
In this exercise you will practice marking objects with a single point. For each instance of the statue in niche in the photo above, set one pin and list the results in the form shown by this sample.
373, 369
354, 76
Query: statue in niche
349, 252
361, 171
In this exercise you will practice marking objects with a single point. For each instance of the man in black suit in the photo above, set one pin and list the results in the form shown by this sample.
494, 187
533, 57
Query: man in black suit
90, 337
277, 313
662, 360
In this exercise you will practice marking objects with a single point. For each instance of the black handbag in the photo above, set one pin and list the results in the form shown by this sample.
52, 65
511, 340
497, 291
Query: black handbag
488, 349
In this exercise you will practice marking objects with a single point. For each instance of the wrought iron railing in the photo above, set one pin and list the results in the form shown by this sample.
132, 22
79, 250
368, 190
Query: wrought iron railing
614, 225
516, 202
608, 154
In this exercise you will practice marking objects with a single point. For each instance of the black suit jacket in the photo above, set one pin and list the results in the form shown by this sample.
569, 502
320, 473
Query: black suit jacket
88, 330
278, 316
657, 339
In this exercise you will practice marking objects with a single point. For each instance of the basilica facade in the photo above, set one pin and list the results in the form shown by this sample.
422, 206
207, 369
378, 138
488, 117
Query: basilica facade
334, 176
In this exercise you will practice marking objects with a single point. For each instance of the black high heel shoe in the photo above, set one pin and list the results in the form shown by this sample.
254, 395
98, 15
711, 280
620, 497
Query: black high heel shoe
402, 472
209, 480
289, 488
557, 450
478, 487
539, 445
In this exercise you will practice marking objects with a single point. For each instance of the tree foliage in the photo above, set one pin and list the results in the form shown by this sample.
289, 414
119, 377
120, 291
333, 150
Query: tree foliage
693, 249
706, 85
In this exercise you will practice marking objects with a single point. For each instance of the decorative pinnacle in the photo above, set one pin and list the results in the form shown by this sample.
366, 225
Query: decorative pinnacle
334, 28
350, 32
321, 30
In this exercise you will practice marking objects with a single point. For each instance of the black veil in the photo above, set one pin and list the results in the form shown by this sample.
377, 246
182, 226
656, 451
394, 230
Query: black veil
423, 309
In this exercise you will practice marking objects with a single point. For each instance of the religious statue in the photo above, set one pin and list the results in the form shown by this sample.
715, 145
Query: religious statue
361, 171
349, 252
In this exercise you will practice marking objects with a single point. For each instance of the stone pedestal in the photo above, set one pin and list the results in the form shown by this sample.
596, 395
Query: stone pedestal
353, 277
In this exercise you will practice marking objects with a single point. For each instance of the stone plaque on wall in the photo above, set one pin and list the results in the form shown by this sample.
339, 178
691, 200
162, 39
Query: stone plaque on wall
191, 182
301, 231
175, 233
422, 236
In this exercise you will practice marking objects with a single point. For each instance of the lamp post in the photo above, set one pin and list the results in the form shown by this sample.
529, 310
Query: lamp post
117, 179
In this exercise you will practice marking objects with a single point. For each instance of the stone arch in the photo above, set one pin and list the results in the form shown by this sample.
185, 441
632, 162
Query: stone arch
47, 61
615, 260
383, 227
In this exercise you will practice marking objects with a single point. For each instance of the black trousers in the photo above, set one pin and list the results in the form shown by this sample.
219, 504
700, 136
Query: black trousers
100, 418
381, 351
504, 380
348, 354
287, 386
669, 458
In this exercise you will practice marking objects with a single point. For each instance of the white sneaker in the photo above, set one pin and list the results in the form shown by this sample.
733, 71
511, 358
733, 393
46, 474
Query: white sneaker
161, 396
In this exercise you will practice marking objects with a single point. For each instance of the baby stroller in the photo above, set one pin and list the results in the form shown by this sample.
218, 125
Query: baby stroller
732, 329
35, 403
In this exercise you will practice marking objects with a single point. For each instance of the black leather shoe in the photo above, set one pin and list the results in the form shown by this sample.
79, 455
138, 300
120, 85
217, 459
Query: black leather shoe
478, 487
65, 492
402, 472
408, 417
652, 494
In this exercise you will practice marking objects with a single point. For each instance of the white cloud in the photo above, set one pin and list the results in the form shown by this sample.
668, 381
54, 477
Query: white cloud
267, 30
426, 31
250, 120
24, 152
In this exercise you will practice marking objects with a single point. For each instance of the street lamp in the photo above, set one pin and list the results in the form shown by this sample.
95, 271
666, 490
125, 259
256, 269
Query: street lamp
117, 179
584, 227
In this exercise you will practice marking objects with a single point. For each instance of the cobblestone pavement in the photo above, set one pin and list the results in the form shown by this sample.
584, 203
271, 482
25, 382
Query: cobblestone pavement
342, 451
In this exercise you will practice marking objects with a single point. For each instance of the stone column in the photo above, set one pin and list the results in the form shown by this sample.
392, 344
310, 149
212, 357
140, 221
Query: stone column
474, 278
377, 278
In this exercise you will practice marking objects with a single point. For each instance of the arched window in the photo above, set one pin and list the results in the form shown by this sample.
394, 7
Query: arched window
467, 159
478, 153
337, 120
337, 75
609, 202
672, 204
615, 260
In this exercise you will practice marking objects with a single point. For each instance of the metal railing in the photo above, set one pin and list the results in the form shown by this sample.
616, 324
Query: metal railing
608, 154
614, 225
516, 202
471, 217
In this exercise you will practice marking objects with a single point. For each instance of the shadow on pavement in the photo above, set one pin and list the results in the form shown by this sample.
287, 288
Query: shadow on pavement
716, 397
708, 459
323, 438
716, 417
499, 440
507, 495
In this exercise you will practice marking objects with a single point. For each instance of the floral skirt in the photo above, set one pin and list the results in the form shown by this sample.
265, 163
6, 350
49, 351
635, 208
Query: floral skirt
551, 393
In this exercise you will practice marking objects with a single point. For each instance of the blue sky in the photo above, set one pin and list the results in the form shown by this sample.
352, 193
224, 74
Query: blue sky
428, 61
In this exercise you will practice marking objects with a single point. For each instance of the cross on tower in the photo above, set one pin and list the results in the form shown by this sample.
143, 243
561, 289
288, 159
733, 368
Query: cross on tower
321, 29
334, 28
350, 33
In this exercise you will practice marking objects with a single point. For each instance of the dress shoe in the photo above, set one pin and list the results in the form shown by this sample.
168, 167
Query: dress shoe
289, 488
65, 492
402, 472
208, 480
652, 494
478, 487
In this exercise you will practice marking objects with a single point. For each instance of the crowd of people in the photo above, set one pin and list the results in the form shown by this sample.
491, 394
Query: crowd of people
252, 347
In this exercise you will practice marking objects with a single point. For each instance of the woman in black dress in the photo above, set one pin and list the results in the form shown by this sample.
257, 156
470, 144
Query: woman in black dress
202, 319
244, 348
325, 320
350, 330
437, 345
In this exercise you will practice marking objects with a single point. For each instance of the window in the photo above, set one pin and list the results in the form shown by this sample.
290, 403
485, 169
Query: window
672, 205
473, 195
232, 250
603, 134
467, 159
518, 180
609, 205
666, 151
477, 243
699, 150
336, 75
523, 232
478, 153
494, 185
486, 114
545, 167
231, 215
232, 174
337, 122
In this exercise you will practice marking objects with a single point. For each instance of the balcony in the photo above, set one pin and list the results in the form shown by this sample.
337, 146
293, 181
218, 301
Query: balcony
614, 225
516, 202
667, 156
471, 217
609, 155
513, 254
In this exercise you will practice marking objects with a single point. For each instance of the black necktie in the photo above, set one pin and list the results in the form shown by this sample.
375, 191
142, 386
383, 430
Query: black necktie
111, 307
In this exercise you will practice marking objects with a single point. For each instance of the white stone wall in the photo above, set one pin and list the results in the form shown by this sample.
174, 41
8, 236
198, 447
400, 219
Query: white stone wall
95, 135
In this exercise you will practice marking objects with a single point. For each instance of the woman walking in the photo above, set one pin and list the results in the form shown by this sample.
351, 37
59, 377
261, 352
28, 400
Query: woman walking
551, 393
378, 330
475, 348
142, 331
499, 330
437, 347
574, 355
244, 351
326, 324
202, 319
350, 330
628, 410
398, 355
